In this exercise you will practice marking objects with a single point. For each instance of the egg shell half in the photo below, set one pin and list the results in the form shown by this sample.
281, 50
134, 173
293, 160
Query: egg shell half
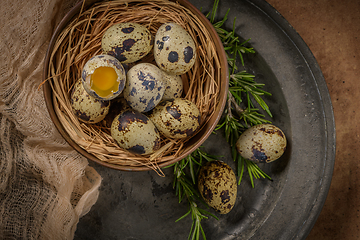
174, 49
144, 87
87, 108
176, 118
262, 143
135, 132
103, 61
128, 42
217, 185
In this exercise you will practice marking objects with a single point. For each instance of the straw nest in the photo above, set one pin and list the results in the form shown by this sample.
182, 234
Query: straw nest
81, 40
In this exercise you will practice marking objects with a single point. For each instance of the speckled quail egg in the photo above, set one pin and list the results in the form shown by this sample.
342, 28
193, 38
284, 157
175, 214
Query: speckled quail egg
144, 87
174, 49
103, 77
117, 106
217, 185
176, 118
174, 86
262, 143
135, 132
128, 42
87, 108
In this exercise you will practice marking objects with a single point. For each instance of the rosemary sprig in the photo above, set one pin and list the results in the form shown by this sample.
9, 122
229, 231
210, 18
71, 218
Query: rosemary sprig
236, 120
241, 84
231, 42
185, 172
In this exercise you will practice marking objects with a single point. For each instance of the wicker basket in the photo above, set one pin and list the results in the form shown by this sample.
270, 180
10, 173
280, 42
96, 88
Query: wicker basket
78, 38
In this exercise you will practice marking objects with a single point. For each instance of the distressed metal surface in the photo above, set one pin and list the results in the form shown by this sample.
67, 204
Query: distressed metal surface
142, 205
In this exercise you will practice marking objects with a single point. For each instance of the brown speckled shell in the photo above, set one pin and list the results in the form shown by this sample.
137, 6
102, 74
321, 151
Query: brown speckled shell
176, 118
135, 132
174, 86
128, 42
174, 49
262, 143
217, 185
87, 108
144, 87
117, 106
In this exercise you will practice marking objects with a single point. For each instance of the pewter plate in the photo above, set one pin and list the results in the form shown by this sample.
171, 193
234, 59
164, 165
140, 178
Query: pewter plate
143, 205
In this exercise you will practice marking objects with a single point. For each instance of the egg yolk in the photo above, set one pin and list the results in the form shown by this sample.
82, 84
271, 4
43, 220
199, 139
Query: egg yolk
103, 81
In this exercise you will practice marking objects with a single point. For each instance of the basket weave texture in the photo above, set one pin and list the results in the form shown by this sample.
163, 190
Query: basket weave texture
81, 39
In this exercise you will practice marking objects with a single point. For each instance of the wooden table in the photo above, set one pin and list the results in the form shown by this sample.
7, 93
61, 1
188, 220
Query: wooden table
331, 29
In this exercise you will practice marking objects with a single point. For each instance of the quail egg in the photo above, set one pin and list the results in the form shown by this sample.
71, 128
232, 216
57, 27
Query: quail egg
174, 86
135, 132
117, 106
128, 42
262, 143
217, 185
144, 87
174, 49
87, 108
103, 77
176, 118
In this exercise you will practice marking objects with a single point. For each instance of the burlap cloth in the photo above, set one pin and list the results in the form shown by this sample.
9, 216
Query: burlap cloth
45, 186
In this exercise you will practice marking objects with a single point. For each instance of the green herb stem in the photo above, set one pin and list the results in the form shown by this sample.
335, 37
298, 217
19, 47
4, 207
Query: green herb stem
240, 114
185, 172
237, 118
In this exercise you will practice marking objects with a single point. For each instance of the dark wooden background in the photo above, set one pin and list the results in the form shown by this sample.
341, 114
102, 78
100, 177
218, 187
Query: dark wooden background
331, 29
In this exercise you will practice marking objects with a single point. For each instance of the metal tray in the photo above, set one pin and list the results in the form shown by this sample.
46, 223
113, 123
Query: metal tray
142, 205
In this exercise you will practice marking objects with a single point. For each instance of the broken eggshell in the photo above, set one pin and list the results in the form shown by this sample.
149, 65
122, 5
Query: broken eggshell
110, 77
262, 143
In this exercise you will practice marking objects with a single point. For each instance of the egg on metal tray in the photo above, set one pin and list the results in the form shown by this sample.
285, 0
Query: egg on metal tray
87, 108
135, 132
128, 42
217, 185
176, 118
174, 49
103, 77
174, 86
144, 87
262, 143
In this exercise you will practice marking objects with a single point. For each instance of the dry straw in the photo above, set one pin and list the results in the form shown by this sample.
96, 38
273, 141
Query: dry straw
81, 40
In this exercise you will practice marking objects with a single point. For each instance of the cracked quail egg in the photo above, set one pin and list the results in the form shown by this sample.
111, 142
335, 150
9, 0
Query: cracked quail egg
128, 42
217, 185
87, 108
176, 118
174, 49
174, 86
262, 143
144, 87
103, 77
135, 132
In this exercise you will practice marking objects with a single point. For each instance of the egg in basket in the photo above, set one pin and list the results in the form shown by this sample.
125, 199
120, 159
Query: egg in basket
135, 85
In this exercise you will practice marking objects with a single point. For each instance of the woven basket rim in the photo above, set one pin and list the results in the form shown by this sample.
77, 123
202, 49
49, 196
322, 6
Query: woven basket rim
205, 132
